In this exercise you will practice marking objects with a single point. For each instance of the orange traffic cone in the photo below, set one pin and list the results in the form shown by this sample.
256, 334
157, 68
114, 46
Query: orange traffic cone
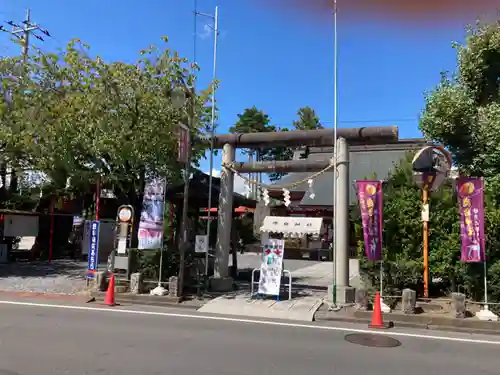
110, 293
377, 321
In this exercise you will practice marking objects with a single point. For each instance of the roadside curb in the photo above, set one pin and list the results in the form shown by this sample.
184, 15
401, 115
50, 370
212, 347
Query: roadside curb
399, 323
145, 300
53, 296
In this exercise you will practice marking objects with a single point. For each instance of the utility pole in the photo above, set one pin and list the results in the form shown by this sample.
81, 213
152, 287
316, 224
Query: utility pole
23, 33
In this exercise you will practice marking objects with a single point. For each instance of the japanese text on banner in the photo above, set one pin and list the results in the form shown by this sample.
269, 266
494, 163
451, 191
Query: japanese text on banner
93, 249
471, 205
370, 204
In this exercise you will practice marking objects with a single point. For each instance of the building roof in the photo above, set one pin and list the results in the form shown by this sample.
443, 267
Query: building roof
199, 192
375, 161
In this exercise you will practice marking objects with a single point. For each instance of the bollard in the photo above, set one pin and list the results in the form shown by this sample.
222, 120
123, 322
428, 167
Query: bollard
173, 286
361, 299
409, 301
136, 286
458, 305
100, 282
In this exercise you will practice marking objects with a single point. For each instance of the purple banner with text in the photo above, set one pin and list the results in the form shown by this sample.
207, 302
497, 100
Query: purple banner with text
471, 206
370, 204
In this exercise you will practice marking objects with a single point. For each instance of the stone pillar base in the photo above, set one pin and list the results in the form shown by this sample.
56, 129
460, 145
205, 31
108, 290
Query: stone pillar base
345, 295
218, 284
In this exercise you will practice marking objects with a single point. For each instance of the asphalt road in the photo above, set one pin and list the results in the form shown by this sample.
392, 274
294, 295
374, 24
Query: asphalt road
43, 341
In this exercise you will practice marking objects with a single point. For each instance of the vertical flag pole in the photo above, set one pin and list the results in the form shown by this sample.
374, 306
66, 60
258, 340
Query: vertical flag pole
425, 198
485, 284
380, 206
381, 276
335, 125
51, 233
485, 268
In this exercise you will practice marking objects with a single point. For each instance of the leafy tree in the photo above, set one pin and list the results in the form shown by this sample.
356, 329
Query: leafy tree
253, 120
463, 111
402, 235
90, 117
463, 114
73, 116
308, 120
402, 238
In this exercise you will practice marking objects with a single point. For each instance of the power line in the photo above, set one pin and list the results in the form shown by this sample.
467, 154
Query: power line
24, 31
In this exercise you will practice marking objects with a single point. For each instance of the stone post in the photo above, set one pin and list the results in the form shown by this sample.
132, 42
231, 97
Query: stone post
136, 283
409, 301
345, 293
173, 286
362, 300
458, 305
100, 283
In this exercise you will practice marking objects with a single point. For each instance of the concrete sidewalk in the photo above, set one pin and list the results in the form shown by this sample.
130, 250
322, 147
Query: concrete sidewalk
301, 308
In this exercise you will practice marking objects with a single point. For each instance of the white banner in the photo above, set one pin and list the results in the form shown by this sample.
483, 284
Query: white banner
151, 222
271, 267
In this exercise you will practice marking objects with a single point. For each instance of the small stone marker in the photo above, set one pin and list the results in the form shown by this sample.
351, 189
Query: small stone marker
458, 305
136, 283
362, 300
100, 281
409, 301
173, 286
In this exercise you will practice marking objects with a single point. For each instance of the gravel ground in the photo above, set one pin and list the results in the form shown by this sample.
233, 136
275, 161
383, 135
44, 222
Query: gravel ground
62, 276
69, 277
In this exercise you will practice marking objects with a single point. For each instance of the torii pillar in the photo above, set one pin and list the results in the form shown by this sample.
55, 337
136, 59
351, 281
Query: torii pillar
322, 137
221, 282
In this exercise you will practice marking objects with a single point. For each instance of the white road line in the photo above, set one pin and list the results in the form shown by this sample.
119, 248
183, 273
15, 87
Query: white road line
252, 321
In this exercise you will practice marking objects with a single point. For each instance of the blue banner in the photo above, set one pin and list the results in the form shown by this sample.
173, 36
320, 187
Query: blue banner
93, 249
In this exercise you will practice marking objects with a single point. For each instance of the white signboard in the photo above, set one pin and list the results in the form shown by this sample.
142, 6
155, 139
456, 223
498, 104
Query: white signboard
201, 244
271, 267
150, 239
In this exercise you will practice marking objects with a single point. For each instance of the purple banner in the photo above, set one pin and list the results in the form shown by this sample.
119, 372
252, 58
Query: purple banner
370, 204
471, 205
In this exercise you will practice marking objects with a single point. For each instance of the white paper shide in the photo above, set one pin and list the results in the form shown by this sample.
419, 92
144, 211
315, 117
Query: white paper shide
271, 267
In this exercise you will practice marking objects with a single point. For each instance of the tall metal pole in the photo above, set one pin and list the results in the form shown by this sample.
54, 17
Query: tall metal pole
425, 199
335, 172
212, 132
185, 201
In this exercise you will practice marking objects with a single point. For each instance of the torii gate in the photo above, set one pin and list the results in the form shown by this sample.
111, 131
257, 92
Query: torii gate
319, 138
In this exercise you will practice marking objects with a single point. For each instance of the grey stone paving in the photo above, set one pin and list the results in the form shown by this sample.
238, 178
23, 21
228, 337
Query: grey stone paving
62, 276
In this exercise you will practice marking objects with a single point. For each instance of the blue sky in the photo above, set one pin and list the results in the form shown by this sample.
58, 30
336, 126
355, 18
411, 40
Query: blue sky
276, 61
